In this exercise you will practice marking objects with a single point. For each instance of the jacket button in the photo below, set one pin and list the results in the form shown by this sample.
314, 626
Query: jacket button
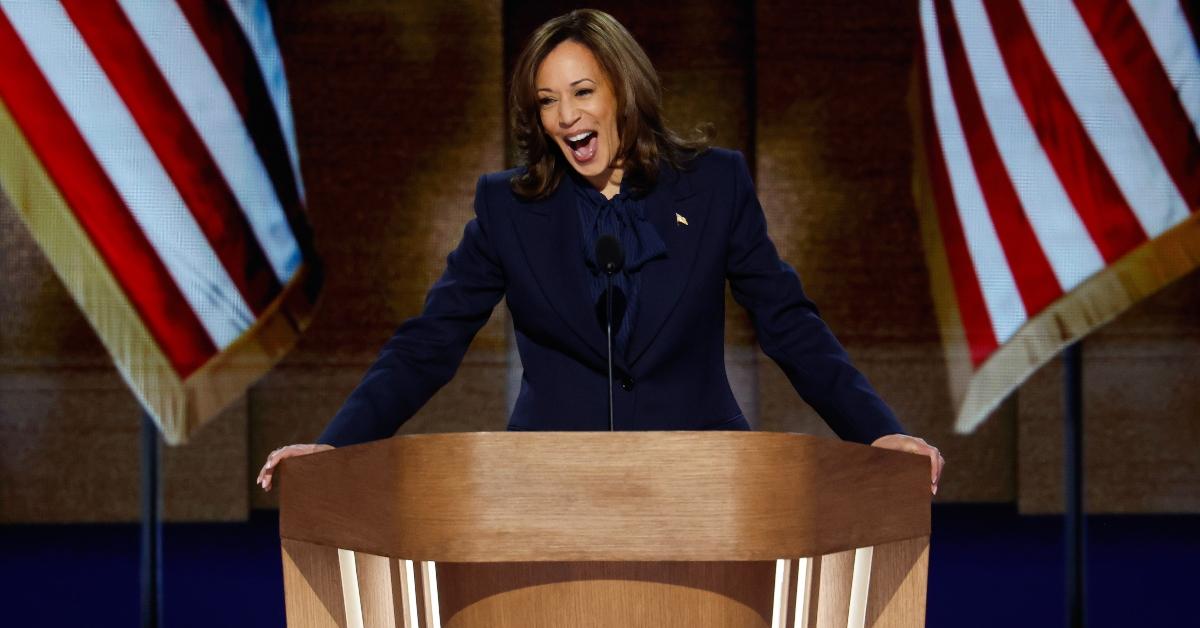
626, 384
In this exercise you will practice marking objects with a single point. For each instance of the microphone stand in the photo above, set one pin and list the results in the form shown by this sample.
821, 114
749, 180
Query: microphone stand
608, 330
611, 259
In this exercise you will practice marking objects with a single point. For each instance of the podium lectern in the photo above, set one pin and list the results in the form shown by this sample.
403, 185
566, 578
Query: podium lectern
599, 529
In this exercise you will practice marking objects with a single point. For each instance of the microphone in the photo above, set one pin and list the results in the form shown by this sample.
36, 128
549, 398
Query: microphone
609, 255
611, 259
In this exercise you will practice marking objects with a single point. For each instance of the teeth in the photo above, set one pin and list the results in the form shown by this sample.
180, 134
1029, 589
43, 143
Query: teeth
576, 138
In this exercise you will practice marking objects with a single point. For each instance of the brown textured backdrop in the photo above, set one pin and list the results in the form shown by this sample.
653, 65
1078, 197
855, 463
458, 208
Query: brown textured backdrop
399, 107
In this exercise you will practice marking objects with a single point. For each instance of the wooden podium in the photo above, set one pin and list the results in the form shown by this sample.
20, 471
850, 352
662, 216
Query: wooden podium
591, 529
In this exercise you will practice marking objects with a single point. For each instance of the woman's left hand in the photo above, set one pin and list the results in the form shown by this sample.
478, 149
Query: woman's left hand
914, 445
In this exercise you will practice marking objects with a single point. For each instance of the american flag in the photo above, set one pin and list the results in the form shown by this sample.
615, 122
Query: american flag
149, 148
1058, 174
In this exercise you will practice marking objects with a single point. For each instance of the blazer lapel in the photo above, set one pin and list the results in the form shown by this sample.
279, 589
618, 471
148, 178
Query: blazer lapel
663, 280
550, 235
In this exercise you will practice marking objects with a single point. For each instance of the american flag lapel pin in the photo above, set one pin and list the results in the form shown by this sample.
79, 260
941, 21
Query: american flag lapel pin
680, 219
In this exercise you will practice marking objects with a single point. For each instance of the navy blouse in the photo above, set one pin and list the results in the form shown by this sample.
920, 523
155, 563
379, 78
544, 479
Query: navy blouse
624, 217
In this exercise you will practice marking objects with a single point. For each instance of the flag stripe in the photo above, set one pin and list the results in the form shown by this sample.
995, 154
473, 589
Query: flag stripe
255, 19
968, 292
1190, 11
1142, 75
1191, 28
182, 153
1166, 25
99, 208
972, 310
1031, 270
1096, 198
131, 166
202, 93
1000, 294
1107, 116
1060, 233
221, 36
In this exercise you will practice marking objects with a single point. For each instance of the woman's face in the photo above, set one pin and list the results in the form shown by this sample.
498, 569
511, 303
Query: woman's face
579, 110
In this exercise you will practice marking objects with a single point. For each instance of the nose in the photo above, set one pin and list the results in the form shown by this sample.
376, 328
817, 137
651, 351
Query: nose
567, 114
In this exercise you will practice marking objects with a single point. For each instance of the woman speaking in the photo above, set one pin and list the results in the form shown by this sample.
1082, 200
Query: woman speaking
598, 164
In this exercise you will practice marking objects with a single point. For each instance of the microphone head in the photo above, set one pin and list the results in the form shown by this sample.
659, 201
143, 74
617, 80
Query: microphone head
609, 255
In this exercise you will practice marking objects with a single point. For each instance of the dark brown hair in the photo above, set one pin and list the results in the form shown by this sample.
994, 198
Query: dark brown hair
644, 137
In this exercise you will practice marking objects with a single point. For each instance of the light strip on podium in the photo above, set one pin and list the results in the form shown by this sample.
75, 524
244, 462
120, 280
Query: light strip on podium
859, 587
782, 587
433, 615
409, 599
350, 597
804, 574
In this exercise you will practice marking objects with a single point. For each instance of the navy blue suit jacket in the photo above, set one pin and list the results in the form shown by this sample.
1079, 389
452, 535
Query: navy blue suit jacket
672, 376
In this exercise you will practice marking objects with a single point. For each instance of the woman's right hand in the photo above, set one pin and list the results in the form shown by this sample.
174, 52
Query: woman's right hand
291, 451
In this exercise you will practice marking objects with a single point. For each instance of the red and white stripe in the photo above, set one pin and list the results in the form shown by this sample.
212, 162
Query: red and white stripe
255, 21
1064, 135
184, 174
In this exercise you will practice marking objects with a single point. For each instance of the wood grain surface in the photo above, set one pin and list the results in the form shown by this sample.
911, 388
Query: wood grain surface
611, 594
488, 497
313, 585
833, 599
899, 575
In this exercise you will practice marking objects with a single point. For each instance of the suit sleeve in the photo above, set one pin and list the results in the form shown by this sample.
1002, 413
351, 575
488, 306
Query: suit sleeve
791, 331
425, 351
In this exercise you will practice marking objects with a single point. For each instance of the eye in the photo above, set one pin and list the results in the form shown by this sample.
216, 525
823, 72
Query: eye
587, 91
545, 101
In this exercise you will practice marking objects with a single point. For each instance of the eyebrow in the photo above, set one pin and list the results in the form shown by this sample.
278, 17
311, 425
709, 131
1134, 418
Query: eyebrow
573, 84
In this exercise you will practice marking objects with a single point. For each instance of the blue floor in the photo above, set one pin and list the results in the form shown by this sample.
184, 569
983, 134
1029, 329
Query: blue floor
989, 566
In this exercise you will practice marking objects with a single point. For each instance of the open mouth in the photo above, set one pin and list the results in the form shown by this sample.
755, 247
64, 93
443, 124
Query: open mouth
583, 146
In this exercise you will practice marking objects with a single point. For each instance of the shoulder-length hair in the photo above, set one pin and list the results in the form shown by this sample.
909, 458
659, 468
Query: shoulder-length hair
644, 137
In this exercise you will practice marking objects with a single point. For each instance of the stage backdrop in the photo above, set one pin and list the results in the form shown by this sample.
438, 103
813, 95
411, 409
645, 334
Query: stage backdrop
400, 106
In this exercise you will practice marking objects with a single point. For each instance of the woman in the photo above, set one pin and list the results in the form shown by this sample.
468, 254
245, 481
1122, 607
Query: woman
597, 159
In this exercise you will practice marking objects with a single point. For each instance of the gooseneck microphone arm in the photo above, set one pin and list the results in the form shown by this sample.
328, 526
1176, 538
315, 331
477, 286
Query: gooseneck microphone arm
611, 259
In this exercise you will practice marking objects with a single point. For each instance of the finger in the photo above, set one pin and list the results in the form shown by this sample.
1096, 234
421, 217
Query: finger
939, 463
273, 460
261, 472
267, 462
277, 456
264, 474
281, 454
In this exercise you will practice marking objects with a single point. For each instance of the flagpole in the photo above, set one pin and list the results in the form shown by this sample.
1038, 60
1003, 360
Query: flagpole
1075, 529
151, 566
